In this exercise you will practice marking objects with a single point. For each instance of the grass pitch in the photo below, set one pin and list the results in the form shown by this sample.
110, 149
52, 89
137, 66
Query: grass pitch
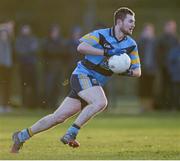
108, 136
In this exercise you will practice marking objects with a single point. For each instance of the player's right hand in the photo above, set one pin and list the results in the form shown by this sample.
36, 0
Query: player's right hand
111, 52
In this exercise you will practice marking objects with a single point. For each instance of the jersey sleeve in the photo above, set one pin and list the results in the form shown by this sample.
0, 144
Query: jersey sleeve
135, 60
91, 38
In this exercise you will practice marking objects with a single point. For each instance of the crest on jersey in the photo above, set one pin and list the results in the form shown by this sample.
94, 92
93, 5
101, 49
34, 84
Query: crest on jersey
104, 43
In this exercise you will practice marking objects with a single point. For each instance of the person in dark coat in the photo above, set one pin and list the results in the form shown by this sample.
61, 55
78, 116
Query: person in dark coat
146, 45
166, 42
173, 61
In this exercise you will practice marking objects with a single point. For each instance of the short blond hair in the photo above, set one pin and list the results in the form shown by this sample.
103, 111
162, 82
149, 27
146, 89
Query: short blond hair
121, 13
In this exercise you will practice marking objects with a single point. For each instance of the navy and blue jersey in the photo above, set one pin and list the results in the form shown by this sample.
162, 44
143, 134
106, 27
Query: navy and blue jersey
105, 38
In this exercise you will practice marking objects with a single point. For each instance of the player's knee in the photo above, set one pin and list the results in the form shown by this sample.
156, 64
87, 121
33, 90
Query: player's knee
101, 104
59, 119
104, 104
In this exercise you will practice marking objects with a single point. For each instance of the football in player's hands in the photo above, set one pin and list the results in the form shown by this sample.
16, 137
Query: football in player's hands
119, 63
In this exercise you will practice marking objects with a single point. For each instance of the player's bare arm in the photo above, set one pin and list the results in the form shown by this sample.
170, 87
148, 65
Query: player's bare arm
85, 48
136, 72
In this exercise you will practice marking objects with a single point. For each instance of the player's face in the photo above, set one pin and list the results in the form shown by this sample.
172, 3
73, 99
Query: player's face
127, 25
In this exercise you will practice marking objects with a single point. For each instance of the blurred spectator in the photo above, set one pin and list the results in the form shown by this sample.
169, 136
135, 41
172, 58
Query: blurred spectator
6, 66
146, 45
26, 49
72, 44
54, 66
166, 42
9, 27
173, 60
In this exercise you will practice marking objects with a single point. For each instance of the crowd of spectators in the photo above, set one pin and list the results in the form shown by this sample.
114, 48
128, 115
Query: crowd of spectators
160, 59
44, 66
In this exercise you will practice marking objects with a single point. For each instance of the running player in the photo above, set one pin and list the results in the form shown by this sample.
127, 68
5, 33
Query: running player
88, 78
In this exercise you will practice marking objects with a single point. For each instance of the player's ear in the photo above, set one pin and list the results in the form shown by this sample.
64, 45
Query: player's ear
119, 22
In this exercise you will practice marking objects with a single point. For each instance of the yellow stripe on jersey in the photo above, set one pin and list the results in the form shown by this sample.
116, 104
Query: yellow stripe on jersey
135, 53
95, 38
135, 61
86, 36
89, 37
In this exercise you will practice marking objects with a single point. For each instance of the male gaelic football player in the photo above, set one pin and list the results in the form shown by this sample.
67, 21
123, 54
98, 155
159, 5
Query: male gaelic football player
88, 78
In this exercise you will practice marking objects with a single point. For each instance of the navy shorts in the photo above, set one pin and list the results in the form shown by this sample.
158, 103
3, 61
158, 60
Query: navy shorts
81, 82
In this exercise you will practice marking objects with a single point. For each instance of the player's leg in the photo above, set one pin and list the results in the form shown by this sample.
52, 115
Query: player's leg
69, 107
97, 102
96, 99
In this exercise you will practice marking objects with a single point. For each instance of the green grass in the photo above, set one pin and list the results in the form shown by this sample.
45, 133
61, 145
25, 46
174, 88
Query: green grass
108, 136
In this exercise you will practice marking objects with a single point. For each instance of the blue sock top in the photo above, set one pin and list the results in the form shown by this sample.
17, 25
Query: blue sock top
73, 130
23, 135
